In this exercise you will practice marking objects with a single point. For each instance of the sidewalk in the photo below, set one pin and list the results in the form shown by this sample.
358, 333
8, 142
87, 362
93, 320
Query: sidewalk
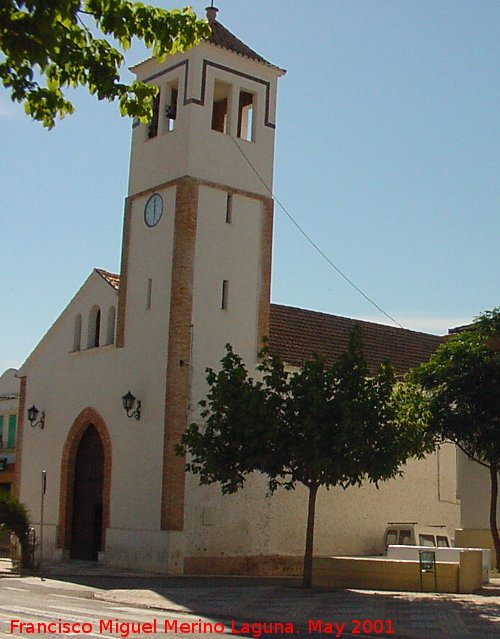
409, 615
252, 599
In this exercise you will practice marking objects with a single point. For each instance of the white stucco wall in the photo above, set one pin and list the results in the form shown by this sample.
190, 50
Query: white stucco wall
474, 487
9, 382
62, 383
348, 522
225, 252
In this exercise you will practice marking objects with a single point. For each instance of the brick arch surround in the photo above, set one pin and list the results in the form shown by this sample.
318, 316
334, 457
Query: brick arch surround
86, 418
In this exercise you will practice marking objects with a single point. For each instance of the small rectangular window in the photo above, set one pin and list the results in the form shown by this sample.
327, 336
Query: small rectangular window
1, 431
225, 294
220, 107
246, 116
11, 442
149, 293
153, 125
229, 208
442, 542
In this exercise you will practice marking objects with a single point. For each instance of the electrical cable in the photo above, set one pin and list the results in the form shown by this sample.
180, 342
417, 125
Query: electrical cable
310, 240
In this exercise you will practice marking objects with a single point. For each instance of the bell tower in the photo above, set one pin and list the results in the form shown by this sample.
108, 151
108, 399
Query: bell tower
216, 93
197, 242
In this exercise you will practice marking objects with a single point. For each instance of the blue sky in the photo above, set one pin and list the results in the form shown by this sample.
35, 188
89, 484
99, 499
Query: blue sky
387, 155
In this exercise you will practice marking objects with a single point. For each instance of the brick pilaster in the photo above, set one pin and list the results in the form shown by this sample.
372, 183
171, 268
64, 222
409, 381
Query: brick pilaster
122, 293
266, 249
179, 352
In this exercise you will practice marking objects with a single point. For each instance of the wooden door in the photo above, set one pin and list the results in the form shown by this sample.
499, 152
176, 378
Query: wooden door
86, 527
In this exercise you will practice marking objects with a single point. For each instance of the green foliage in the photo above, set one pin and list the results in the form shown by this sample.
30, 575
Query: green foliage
49, 41
462, 383
14, 518
323, 425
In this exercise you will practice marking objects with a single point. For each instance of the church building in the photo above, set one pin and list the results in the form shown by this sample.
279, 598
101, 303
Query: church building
115, 381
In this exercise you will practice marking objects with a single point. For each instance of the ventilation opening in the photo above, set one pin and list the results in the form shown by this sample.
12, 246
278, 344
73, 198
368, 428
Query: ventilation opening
77, 333
153, 125
149, 293
246, 116
220, 107
229, 208
225, 294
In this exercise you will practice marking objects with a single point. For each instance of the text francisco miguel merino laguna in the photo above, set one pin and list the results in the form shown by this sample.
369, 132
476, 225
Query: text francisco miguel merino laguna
125, 629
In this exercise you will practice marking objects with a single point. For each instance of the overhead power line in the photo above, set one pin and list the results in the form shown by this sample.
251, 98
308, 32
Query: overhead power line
310, 240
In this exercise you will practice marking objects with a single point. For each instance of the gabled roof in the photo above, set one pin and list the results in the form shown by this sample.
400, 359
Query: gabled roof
296, 333
222, 37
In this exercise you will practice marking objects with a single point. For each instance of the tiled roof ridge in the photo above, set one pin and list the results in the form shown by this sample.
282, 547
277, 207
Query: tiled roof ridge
354, 320
295, 334
113, 279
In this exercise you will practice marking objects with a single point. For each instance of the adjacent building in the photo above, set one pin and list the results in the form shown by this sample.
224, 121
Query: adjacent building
9, 400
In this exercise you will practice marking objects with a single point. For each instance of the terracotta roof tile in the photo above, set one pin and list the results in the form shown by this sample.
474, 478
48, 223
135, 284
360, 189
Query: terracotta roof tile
111, 278
296, 333
223, 38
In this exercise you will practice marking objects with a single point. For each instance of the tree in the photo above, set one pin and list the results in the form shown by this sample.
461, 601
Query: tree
14, 518
324, 425
462, 381
50, 41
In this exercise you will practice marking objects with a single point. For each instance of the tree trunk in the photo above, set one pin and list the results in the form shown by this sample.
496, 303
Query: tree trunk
308, 556
493, 513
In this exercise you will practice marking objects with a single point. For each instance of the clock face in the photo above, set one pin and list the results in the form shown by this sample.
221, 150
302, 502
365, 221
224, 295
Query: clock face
153, 210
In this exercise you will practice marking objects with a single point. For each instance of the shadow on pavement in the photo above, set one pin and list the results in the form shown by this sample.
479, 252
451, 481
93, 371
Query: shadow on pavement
258, 600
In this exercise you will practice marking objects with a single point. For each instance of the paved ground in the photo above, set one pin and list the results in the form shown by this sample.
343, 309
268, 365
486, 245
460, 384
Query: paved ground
408, 615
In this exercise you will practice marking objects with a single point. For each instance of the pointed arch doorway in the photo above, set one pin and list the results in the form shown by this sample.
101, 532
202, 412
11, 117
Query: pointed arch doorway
86, 521
85, 488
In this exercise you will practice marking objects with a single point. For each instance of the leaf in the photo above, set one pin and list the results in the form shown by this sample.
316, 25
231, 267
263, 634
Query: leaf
55, 39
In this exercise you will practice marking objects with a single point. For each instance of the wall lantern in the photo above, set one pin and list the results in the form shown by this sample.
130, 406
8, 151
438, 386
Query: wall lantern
32, 416
129, 402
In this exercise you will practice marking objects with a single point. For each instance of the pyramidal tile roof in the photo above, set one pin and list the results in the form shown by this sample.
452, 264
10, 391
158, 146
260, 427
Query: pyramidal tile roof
222, 37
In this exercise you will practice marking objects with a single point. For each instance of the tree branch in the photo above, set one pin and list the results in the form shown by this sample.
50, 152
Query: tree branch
472, 457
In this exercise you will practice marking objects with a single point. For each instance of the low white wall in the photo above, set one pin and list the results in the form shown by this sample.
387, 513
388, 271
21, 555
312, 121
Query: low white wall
443, 555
